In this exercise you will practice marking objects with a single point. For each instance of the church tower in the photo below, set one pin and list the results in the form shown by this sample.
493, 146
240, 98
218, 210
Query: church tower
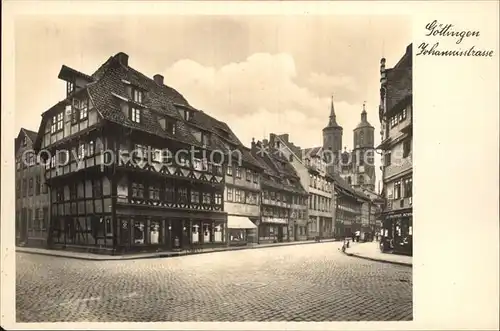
363, 154
332, 140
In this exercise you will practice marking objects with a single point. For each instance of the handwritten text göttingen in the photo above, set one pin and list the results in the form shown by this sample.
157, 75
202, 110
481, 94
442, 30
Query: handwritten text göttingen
436, 29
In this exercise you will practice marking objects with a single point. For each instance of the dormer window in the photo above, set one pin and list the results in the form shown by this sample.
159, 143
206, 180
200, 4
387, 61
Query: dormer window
205, 138
25, 141
187, 114
135, 114
170, 127
70, 87
136, 95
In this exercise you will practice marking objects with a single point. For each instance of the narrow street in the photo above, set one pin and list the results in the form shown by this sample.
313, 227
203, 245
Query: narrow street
313, 282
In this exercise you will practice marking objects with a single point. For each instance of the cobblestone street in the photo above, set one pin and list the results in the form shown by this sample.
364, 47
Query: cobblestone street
313, 282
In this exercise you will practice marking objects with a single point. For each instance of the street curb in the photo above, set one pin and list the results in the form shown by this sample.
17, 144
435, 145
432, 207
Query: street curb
158, 255
379, 260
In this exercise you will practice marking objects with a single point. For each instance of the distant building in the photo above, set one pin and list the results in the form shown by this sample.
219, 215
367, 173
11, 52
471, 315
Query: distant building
32, 213
311, 167
396, 118
356, 167
283, 199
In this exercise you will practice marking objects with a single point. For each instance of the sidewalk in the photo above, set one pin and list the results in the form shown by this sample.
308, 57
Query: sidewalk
99, 257
371, 251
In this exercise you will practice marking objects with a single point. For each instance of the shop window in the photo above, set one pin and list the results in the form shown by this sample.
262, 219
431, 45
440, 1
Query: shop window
207, 231
139, 232
195, 235
219, 232
154, 235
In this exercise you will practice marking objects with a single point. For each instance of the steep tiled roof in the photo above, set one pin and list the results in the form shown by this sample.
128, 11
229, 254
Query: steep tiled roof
341, 184
109, 89
399, 86
31, 134
399, 80
279, 170
312, 151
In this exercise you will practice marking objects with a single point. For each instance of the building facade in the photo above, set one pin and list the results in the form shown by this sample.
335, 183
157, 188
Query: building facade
132, 165
396, 118
348, 204
32, 206
311, 167
242, 200
283, 199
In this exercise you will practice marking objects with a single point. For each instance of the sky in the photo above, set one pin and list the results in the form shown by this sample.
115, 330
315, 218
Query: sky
259, 74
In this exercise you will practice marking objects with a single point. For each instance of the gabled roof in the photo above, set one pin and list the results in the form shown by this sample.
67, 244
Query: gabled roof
341, 185
31, 135
313, 151
277, 167
108, 90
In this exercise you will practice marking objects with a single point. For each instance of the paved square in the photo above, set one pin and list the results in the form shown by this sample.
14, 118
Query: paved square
312, 282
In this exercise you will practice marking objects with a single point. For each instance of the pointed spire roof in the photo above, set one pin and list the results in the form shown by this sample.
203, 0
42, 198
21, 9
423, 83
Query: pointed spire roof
364, 121
332, 123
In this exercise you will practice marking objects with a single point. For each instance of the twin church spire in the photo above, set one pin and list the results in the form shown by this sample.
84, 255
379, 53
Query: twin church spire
332, 123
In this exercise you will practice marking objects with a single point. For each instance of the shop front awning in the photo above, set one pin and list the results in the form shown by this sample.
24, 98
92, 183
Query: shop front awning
240, 222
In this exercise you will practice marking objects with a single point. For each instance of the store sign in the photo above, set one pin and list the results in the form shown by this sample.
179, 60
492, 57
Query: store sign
400, 215
274, 220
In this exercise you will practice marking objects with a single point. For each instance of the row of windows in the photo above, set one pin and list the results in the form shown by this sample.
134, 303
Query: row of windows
76, 193
29, 187
403, 188
172, 194
398, 118
249, 174
320, 183
288, 198
84, 150
166, 156
319, 203
241, 196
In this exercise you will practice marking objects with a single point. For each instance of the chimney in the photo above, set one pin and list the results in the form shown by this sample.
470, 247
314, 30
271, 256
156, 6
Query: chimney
285, 137
253, 145
122, 58
158, 79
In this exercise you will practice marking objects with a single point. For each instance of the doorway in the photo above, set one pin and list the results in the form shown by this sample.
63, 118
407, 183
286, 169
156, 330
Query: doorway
280, 234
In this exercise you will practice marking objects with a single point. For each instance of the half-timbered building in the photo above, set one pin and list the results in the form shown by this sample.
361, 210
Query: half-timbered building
283, 199
242, 199
133, 166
